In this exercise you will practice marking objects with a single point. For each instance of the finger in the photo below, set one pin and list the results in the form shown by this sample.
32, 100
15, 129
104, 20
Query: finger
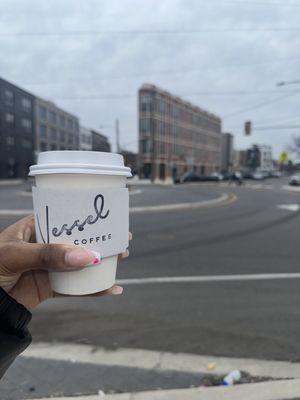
124, 255
18, 229
115, 290
19, 257
130, 236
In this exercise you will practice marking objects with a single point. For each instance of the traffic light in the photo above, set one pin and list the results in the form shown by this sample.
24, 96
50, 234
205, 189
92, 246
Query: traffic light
248, 128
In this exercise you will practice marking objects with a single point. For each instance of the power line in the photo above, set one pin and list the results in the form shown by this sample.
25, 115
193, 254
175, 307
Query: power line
150, 32
162, 72
129, 96
263, 104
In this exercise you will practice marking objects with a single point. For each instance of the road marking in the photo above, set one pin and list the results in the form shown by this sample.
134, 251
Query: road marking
292, 189
289, 207
4, 212
185, 206
137, 191
208, 278
161, 361
223, 199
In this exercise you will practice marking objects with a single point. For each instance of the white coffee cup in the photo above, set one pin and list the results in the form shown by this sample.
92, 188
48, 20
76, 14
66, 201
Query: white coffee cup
68, 184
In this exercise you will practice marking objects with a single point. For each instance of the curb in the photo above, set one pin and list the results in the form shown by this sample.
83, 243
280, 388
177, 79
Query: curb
276, 390
223, 199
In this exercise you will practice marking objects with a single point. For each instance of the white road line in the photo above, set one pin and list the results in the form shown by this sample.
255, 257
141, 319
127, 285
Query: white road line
160, 361
209, 278
134, 210
133, 192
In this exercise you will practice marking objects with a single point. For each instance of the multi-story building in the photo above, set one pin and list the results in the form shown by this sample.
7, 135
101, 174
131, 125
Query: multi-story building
266, 160
16, 130
85, 142
227, 152
55, 128
100, 142
175, 136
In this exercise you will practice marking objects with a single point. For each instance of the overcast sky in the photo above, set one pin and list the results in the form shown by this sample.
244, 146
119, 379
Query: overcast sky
230, 61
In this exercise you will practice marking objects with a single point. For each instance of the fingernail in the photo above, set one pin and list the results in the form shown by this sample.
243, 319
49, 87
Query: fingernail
116, 290
130, 236
125, 254
82, 257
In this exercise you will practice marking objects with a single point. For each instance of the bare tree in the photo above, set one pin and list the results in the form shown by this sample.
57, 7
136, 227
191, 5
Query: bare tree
295, 146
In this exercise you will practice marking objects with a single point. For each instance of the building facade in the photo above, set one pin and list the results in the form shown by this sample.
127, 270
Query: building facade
100, 142
175, 136
55, 129
227, 153
17, 131
85, 141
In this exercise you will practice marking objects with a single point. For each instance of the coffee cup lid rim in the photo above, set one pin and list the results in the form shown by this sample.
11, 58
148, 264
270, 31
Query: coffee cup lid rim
79, 162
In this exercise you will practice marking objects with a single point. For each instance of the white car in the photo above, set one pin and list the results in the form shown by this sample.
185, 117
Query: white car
295, 180
258, 176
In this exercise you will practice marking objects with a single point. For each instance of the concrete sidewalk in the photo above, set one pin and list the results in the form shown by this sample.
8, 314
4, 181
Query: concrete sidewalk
278, 380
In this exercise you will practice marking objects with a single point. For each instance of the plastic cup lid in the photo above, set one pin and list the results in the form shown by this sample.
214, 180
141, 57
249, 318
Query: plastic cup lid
79, 162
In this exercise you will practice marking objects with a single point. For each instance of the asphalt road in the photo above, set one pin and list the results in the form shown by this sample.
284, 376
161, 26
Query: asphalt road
257, 319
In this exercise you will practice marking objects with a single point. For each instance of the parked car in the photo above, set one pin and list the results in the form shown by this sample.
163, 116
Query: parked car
258, 176
218, 176
295, 180
193, 177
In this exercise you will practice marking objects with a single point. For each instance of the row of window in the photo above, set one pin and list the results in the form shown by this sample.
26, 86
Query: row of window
163, 148
44, 146
176, 132
158, 104
54, 118
9, 100
54, 134
10, 119
25, 143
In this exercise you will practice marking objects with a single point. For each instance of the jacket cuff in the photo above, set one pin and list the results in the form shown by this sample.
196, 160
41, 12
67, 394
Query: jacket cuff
14, 317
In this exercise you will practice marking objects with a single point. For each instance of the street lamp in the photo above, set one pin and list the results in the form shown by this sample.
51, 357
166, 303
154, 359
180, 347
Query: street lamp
287, 83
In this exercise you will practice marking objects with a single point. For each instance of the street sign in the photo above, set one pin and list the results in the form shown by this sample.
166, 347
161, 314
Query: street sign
284, 157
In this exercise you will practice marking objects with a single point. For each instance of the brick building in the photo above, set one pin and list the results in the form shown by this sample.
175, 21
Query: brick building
17, 131
175, 136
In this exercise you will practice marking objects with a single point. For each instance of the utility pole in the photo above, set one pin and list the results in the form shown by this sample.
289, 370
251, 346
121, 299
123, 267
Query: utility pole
117, 136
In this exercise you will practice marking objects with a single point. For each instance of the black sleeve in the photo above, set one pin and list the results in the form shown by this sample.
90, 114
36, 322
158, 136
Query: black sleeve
14, 335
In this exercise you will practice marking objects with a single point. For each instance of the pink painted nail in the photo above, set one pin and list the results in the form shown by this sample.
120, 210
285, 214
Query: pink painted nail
116, 290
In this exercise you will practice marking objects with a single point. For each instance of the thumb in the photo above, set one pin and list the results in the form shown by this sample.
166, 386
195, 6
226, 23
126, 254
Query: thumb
18, 257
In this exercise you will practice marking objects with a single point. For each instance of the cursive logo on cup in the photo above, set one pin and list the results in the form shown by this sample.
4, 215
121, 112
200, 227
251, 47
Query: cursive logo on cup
89, 220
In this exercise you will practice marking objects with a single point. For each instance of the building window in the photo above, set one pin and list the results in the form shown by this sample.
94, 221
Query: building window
146, 104
53, 117
62, 136
53, 147
26, 104
26, 144
10, 118
42, 113
10, 141
70, 124
26, 123
53, 134
9, 97
146, 146
43, 131
70, 139
62, 121
145, 125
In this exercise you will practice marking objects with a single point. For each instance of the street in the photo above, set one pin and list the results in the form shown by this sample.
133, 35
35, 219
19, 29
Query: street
246, 317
